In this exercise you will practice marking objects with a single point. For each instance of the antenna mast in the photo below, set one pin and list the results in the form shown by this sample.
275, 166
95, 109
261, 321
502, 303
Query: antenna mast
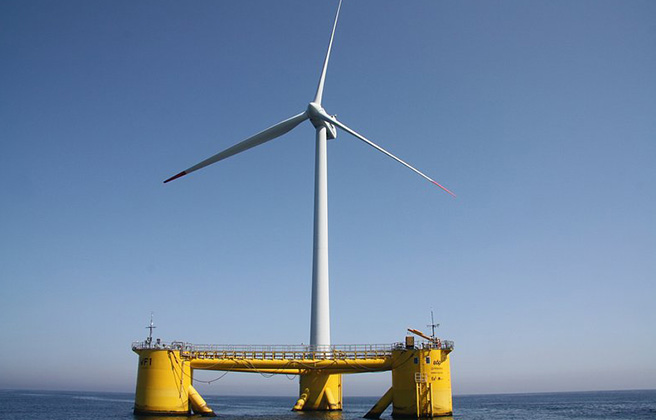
433, 325
150, 327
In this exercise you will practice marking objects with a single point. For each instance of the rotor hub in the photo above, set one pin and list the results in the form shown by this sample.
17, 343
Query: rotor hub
319, 118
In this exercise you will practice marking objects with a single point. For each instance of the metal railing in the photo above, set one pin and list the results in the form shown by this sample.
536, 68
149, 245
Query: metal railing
290, 352
274, 352
421, 378
142, 345
438, 344
287, 352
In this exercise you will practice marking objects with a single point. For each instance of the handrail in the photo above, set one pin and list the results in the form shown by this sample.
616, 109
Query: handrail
282, 351
178, 345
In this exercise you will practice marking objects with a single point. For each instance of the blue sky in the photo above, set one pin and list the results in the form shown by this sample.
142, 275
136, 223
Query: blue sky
541, 116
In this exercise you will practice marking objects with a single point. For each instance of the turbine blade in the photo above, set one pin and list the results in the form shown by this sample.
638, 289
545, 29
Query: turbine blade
255, 140
334, 121
322, 79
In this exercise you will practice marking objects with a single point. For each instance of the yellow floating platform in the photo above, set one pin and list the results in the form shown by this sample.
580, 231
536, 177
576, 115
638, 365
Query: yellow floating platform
421, 376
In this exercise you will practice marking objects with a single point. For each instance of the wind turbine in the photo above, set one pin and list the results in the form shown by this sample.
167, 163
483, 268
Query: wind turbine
325, 129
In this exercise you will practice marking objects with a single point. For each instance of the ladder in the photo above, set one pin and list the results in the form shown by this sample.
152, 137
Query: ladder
424, 395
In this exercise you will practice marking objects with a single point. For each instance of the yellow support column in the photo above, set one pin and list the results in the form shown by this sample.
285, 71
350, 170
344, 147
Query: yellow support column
163, 380
421, 383
198, 404
381, 405
319, 392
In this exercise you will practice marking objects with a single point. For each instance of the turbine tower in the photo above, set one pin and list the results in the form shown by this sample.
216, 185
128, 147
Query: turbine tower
325, 129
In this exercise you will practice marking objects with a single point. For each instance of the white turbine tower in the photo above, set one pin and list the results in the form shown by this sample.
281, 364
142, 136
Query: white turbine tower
325, 128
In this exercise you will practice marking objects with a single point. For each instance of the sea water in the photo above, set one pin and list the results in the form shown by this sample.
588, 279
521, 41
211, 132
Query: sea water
615, 405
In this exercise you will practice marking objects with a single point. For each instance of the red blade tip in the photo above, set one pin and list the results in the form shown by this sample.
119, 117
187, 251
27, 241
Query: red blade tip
183, 173
444, 189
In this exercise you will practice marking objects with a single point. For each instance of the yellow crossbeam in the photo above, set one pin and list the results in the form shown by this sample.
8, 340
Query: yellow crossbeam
291, 366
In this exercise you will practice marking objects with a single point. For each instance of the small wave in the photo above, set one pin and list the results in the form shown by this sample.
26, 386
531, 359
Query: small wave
34, 394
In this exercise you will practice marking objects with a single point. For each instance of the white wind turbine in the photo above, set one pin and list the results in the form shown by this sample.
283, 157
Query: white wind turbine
325, 127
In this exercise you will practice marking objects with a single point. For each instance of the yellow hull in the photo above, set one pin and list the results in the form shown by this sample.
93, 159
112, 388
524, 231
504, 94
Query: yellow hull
163, 381
421, 376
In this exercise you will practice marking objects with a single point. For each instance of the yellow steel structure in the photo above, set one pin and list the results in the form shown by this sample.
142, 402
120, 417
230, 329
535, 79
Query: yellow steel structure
422, 388
198, 404
163, 381
421, 377
319, 392
429, 394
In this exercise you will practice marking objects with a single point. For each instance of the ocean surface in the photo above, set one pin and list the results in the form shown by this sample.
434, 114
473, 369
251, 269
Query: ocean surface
616, 405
